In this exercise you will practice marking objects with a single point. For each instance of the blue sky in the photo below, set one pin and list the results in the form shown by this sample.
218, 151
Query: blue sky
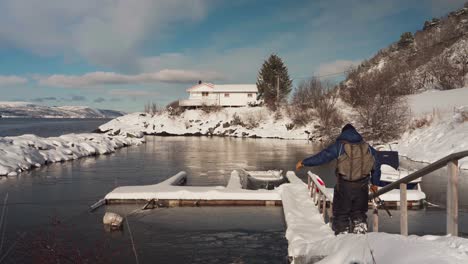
121, 54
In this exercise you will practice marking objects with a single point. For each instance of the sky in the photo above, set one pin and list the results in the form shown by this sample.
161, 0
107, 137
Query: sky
122, 54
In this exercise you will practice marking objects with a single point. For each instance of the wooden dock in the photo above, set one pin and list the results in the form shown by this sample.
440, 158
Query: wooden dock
171, 193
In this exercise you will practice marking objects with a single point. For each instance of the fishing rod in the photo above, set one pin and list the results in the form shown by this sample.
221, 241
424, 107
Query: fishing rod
379, 202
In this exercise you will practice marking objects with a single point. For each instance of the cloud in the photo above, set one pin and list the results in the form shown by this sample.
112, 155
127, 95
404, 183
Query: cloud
132, 93
112, 78
105, 32
12, 80
43, 99
99, 100
335, 67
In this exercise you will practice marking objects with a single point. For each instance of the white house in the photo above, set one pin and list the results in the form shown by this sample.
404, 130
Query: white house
223, 95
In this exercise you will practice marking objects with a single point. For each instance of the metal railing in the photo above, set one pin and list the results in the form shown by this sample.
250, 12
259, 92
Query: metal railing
320, 195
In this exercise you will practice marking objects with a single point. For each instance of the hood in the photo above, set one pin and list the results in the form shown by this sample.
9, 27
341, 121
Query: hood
350, 135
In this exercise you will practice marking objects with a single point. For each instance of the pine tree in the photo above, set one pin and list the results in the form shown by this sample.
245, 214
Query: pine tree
267, 79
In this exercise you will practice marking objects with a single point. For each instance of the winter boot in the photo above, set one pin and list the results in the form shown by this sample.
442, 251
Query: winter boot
359, 227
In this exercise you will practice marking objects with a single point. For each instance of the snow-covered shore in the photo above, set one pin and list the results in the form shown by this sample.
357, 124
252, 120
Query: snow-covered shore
25, 152
255, 122
442, 118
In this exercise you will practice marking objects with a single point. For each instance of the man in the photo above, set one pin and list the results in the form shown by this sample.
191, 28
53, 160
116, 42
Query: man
356, 165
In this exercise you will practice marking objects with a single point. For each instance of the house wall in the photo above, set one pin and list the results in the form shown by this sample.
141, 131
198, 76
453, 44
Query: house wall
236, 99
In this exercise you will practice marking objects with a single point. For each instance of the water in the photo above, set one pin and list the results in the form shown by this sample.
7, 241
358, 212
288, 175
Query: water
47, 127
52, 202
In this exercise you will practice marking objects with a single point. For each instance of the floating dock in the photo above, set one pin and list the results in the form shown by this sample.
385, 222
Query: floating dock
172, 192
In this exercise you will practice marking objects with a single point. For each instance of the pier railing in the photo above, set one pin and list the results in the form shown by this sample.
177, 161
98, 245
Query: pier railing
320, 195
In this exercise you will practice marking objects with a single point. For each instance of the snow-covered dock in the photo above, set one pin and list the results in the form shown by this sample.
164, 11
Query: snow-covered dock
311, 239
172, 193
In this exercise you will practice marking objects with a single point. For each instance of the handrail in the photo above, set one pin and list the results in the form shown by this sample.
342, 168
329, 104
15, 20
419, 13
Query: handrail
321, 188
420, 173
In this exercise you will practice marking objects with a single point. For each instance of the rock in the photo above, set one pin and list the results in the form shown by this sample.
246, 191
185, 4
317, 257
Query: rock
112, 220
226, 125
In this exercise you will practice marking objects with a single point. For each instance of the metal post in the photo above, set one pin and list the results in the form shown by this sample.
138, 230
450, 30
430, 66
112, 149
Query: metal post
452, 198
403, 210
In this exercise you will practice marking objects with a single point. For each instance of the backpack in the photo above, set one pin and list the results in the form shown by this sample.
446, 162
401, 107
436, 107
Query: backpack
356, 162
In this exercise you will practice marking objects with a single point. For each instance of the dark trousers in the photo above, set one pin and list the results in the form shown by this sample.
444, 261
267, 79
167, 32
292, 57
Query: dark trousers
350, 204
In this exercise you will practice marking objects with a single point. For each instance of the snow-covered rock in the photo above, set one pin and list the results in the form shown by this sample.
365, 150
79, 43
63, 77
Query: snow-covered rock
235, 122
26, 109
24, 152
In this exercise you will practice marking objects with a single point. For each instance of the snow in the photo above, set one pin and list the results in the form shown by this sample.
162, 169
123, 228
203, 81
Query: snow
447, 129
258, 122
310, 238
25, 152
437, 101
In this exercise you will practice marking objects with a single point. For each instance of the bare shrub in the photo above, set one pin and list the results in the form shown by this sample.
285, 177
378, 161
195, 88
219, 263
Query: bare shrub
381, 107
421, 122
253, 119
298, 116
326, 110
210, 108
236, 120
153, 108
306, 95
447, 75
174, 109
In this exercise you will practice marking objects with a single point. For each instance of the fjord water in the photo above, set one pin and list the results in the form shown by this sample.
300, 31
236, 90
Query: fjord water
51, 204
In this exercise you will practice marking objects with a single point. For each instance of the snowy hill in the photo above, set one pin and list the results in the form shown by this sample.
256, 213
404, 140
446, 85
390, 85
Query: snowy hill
25, 109
435, 57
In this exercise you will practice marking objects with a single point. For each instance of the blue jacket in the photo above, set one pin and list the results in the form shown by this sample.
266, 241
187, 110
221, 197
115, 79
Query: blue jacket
336, 149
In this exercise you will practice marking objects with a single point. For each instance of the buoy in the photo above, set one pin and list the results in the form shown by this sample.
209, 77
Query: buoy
112, 220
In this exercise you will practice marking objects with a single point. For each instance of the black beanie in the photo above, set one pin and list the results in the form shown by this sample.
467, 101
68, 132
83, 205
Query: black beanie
347, 126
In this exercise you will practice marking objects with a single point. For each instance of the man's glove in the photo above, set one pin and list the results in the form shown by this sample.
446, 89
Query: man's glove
299, 165
374, 188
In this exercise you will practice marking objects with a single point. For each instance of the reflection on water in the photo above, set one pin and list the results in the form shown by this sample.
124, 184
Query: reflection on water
57, 197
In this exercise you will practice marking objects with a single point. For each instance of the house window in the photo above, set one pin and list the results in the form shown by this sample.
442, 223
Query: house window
226, 95
204, 94
249, 95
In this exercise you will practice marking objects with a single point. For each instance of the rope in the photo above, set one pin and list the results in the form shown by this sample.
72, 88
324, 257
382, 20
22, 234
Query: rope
133, 243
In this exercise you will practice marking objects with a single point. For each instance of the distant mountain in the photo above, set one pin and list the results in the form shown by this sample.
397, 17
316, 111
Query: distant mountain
26, 109
435, 57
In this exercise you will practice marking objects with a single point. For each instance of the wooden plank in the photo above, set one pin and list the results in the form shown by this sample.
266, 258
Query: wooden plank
452, 198
97, 205
313, 192
324, 207
403, 210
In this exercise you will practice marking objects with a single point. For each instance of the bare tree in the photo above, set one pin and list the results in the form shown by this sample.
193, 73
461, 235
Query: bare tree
381, 107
